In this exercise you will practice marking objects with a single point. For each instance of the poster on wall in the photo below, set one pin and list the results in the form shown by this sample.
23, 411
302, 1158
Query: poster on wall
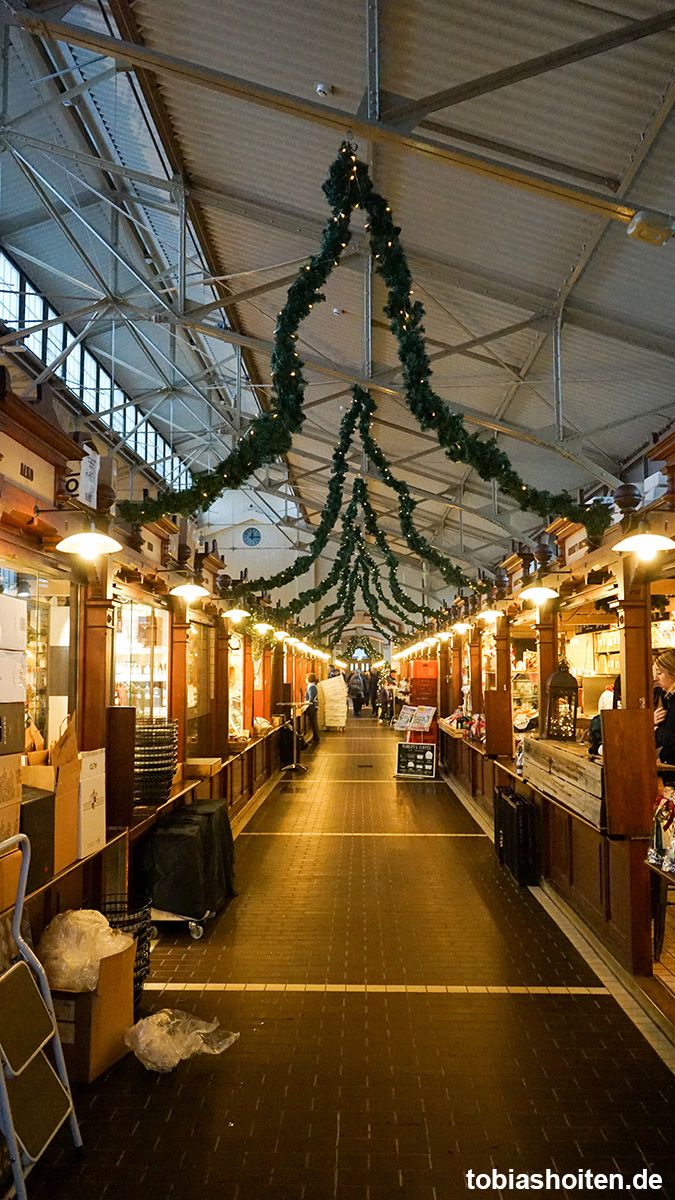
415, 760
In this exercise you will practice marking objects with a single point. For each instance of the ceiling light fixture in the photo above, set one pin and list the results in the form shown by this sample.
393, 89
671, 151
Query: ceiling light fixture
644, 543
89, 544
189, 592
236, 614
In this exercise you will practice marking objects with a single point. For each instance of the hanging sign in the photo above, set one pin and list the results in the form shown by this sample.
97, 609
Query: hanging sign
415, 760
82, 479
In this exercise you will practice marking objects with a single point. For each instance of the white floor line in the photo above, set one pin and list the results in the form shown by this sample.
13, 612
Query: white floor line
637, 1006
348, 834
452, 989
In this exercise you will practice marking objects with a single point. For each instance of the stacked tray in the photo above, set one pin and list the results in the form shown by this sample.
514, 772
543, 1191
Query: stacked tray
155, 759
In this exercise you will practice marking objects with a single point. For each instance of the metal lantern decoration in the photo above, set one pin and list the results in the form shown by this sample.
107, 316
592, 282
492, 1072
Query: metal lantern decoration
562, 698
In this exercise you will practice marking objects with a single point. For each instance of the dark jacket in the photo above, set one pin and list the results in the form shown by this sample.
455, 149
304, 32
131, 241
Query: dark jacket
664, 733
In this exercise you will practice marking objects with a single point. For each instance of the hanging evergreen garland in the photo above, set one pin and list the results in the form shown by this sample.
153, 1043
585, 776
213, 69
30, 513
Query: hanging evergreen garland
360, 642
270, 435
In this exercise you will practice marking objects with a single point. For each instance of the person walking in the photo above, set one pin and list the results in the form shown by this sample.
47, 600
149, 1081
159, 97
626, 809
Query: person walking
312, 698
356, 692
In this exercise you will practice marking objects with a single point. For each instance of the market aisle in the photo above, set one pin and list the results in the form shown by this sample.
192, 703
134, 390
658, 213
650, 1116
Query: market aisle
407, 1014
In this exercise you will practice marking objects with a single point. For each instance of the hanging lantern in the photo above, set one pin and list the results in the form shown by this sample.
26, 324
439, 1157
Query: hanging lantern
562, 698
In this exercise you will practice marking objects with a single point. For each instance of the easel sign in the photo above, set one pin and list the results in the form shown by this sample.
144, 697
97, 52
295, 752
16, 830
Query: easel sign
415, 760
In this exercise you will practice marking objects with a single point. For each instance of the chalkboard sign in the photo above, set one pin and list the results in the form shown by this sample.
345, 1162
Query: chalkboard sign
416, 760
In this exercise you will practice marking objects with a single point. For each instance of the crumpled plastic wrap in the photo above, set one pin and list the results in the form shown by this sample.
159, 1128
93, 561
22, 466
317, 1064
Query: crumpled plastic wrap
165, 1038
261, 725
72, 946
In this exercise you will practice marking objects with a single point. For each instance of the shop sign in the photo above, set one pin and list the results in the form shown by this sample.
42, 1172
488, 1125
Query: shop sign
82, 479
25, 469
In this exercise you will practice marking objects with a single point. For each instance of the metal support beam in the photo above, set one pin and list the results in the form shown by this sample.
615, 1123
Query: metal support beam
342, 123
410, 113
473, 417
66, 97
557, 378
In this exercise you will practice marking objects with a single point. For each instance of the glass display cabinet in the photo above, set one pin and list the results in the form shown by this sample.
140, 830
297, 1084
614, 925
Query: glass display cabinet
142, 658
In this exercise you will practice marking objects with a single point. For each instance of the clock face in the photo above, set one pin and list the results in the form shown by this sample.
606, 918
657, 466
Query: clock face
252, 536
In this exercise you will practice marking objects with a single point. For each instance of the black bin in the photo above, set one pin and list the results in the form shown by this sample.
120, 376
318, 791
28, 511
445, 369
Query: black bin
516, 835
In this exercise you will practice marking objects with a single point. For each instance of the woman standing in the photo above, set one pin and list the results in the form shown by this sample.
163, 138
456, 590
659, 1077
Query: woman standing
664, 711
355, 691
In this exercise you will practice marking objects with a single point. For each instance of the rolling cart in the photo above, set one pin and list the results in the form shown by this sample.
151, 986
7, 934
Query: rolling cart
35, 1099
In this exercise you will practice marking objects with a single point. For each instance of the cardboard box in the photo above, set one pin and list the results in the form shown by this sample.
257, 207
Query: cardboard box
64, 781
10, 869
13, 728
92, 1024
208, 770
201, 768
66, 815
12, 677
13, 623
91, 826
10, 795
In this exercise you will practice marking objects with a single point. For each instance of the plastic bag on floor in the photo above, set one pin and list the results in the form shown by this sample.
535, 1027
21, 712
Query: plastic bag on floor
72, 946
162, 1040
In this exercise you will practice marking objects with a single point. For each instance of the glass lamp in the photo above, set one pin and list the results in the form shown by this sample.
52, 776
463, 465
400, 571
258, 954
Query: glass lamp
280, 634
262, 628
537, 593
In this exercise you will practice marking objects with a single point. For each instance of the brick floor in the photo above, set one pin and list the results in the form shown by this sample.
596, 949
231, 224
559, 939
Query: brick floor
406, 1013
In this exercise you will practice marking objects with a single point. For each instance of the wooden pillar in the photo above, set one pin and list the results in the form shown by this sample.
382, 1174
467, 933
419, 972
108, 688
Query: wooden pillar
547, 655
498, 714
476, 671
445, 706
221, 714
277, 679
180, 627
96, 659
456, 679
637, 681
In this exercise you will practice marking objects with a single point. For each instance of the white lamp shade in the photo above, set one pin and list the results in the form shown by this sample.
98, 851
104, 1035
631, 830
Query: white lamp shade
537, 593
236, 614
189, 591
280, 634
292, 641
461, 627
645, 545
444, 635
262, 628
89, 544
489, 614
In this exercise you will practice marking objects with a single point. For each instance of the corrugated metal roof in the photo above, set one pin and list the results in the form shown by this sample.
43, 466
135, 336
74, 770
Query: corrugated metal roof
484, 256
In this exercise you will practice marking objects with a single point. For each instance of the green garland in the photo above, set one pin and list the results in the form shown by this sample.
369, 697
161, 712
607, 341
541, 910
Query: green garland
349, 186
359, 642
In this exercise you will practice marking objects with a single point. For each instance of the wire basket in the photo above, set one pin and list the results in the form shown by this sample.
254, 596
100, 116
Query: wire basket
138, 924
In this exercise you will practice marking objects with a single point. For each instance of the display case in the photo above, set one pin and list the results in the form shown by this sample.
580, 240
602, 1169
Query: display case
50, 673
200, 686
236, 687
488, 650
141, 657
524, 684
607, 648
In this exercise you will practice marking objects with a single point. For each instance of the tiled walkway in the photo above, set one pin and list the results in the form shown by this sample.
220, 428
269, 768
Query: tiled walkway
406, 1012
